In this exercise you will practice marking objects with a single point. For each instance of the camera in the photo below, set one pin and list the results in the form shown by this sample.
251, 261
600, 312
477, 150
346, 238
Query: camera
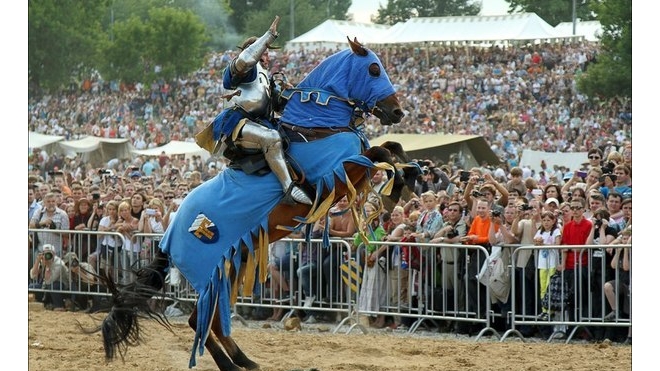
451, 234
150, 211
96, 196
75, 263
48, 255
477, 194
598, 223
465, 176
608, 168
495, 213
525, 207
104, 171
174, 171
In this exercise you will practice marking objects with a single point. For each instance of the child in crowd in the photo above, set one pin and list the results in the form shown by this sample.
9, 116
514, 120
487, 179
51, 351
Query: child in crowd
548, 234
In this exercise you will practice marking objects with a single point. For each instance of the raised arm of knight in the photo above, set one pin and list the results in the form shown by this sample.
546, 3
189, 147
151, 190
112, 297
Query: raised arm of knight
251, 54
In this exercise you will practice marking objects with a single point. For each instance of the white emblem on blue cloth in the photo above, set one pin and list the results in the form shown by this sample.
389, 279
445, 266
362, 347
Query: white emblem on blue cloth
204, 229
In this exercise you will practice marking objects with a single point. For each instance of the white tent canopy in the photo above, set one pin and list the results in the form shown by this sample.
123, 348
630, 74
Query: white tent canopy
175, 147
332, 34
89, 144
90, 149
37, 140
590, 30
98, 150
472, 29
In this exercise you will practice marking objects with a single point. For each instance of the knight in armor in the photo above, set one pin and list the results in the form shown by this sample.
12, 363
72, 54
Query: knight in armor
248, 126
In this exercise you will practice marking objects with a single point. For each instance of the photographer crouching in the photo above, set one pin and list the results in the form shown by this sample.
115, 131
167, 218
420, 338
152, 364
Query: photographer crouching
49, 274
83, 278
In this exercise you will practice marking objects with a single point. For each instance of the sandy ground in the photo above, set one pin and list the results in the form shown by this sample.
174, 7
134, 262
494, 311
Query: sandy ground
55, 342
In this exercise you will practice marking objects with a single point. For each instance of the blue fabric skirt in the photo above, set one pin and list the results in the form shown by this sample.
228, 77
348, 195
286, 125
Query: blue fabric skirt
229, 210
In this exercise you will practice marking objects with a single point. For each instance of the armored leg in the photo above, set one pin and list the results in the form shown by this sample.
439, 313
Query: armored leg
254, 135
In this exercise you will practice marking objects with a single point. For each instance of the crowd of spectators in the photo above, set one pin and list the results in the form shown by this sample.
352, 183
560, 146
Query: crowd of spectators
516, 98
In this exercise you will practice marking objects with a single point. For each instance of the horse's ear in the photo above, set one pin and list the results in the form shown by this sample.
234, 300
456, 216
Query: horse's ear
357, 47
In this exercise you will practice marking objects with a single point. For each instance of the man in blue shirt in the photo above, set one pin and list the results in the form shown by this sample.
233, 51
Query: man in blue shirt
621, 185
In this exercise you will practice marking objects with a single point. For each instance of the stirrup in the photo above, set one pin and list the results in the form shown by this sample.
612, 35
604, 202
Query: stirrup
295, 195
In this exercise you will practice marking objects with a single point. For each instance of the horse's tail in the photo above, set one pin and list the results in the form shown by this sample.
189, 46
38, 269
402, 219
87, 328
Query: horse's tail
120, 328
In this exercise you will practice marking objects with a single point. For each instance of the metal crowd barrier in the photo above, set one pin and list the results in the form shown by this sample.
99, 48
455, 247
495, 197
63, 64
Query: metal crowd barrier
583, 308
439, 286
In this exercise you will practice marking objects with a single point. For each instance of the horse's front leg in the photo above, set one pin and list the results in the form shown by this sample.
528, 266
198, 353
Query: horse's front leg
224, 363
235, 352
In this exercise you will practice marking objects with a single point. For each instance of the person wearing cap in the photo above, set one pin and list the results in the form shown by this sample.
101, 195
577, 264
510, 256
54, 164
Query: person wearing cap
248, 125
49, 273
552, 205
135, 176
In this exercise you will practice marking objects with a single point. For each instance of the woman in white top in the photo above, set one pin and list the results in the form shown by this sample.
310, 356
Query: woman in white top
127, 225
105, 250
151, 221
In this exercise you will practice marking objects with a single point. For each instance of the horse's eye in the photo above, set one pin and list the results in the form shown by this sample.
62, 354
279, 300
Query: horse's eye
374, 69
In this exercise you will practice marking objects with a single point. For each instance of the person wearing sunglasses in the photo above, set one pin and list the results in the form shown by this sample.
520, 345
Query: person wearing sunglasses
595, 156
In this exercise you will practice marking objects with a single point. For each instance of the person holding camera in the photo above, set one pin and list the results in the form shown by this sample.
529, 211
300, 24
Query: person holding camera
487, 191
127, 225
49, 274
525, 225
453, 229
102, 259
618, 181
50, 217
430, 181
604, 232
478, 234
151, 221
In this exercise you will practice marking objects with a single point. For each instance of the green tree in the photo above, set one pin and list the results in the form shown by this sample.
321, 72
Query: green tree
240, 12
332, 9
122, 10
611, 74
402, 10
172, 39
125, 54
553, 11
215, 14
63, 39
253, 17
305, 18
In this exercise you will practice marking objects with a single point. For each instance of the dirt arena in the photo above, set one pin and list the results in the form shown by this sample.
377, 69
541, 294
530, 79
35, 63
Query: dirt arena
56, 343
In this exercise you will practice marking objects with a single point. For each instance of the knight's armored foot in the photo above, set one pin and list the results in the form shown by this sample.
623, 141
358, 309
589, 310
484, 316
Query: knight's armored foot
295, 194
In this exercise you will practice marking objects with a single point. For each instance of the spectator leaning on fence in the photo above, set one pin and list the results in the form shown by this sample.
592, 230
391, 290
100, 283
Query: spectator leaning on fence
574, 260
50, 217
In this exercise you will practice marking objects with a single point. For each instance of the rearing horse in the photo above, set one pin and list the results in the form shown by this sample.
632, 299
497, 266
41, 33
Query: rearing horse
220, 235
